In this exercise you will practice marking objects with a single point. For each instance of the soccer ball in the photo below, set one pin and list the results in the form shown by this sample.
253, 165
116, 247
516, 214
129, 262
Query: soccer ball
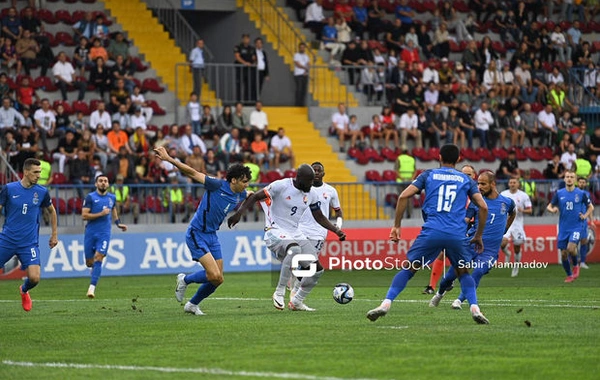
343, 293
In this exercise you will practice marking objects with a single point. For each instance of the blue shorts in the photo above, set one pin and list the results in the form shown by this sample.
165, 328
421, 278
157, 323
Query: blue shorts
429, 243
484, 262
93, 243
201, 243
584, 232
27, 255
566, 237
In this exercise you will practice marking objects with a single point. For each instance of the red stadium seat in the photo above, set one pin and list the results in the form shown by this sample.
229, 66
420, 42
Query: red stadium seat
65, 38
66, 106
154, 204
546, 152
74, 205
373, 176
152, 85
433, 154
500, 153
81, 106
158, 110
45, 84
78, 16
94, 104
64, 16
273, 175
354, 152
51, 40
139, 66
420, 154
290, 173
536, 174
58, 179
461, 6
60, 205
389, 154
469, 154
372, 155
389, 176
390, 200
532, 154
47, 16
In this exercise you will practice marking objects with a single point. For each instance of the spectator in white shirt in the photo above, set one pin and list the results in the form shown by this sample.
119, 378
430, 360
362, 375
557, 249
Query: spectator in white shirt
559, 44
281, 146
409, 127
100, 116
431, 95
122, 117
189, 140
9, 117
262, 63
301, 65
430, 74
313, 19
549, 128
45, 122
138, 120
259, 121
483, 121
138, 99
569, 157
339, 124
64, 76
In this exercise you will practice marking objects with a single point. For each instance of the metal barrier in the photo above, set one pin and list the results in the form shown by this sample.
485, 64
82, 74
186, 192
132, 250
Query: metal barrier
7, 173
153, 209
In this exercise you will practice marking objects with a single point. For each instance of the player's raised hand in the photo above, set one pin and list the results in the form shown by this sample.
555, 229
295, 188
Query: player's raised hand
161, 152
233, 219
395, 234
478, 242
105, 211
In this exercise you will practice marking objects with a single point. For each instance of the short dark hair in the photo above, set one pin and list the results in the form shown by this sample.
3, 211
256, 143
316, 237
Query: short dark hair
31, 162
238, 171
317, 163
100, 176
450, 154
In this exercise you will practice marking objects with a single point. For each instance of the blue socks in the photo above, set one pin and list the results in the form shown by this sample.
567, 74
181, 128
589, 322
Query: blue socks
203, 291
399, 283
467, 286
96, 271
476, 275
574, 260
447, 280
27, 286
583, 251
567, 266
197, 277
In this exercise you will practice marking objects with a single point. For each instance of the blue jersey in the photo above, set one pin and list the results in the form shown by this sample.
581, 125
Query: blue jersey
96, 203
570, 205
499, 210
217, 201
22, 212
329, 32
446, 193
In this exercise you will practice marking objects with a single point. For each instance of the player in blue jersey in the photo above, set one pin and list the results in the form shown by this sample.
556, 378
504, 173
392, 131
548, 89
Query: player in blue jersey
582, 183
446, 193
220, 197
99, 210
575, 207
23, 202
501, 214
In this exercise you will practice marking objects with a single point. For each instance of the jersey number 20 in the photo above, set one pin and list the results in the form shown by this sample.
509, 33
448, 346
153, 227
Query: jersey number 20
446, 197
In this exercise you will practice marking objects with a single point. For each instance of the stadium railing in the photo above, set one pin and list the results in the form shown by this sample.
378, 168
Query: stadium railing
155, 210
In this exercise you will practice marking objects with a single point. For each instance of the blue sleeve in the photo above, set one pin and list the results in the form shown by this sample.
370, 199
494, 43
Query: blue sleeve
420, 181
212, 184
586, 199
471, 211
511, 206
46, 202
3, 196
473, 189
554, 201
114, 200
88, 201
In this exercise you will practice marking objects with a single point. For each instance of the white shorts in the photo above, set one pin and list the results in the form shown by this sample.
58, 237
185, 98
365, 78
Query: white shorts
516, 234
278, 241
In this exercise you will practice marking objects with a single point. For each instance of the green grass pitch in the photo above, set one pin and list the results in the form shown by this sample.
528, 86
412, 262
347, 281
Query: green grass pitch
135, 329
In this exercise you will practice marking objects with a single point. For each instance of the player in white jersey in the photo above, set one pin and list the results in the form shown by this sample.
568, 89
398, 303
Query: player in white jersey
328, 198
516, 232
284, 202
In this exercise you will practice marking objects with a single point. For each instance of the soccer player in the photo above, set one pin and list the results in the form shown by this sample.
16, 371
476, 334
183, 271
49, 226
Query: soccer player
516, 232
584, 242
437, 267
575, 207
501, 213
329, 199
99, 210
284, 203
23, 202
220, 197
446, 193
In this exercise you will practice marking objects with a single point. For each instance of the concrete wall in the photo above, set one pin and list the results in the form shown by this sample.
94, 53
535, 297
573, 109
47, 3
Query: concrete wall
222, 31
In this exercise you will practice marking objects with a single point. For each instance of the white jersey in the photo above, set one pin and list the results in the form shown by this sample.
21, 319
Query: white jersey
522, 201
285, 205
328, 197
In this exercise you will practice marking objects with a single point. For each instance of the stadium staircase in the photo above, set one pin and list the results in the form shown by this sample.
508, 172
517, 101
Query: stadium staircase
328, 91
309, 146
156, 45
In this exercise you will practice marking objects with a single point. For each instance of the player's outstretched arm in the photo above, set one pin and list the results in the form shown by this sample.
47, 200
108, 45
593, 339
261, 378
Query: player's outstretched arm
115, 217
510, 220
53, 225
325, 223
256, 197
185, 169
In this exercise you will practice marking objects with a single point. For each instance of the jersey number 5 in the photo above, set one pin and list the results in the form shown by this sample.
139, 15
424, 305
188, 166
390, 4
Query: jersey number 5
24, 211
446, 197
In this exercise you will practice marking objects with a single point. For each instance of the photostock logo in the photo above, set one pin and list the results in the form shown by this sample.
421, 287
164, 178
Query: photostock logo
299, 268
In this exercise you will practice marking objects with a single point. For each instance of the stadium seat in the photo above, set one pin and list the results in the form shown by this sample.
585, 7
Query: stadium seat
290, 173
51, 40
328, 5
45, 84
389, 176
153, 204
461, 6
60, 205
485, 155
74, 205
532, 154
520, 155
546, 152
152, 85
389, 154
139, 66
64, 38
66, 106
158, 111
353, 152
47, 16
536, 174
63, 16
94, 104
420, 153
500, 153
361, 159
372, 155
81, 106
390, 200
469, 154
59, 179
594, 26
79, 15
433, 154
372, 176
273, 175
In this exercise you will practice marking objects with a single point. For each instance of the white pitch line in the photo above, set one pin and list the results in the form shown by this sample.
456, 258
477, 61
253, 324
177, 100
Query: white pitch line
583, 304
210, 371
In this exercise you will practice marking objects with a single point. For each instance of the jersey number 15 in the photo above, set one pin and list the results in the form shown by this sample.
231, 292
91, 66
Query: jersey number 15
446, 197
